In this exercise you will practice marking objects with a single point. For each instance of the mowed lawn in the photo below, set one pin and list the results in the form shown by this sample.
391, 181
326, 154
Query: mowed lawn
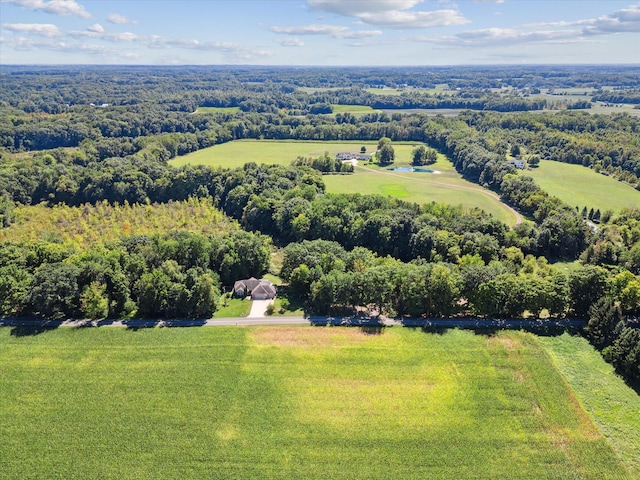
446, 187
235, 154
581, 186
290, 402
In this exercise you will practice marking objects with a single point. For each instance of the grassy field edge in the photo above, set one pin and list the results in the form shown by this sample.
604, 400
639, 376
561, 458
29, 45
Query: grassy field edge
611, 404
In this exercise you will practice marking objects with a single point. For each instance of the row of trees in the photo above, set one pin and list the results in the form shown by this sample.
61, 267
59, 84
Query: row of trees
329, 278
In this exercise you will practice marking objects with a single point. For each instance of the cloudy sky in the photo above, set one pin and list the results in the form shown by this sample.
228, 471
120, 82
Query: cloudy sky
319, 32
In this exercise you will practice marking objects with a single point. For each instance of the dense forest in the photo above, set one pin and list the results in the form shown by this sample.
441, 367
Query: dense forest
78, 137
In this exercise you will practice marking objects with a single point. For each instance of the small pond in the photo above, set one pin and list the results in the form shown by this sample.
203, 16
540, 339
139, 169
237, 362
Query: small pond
412, 169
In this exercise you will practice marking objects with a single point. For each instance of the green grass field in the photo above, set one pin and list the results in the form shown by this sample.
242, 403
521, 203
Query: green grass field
581, 186
236, 154
611, 404
290, 402
353, 109
446, 187
217, 109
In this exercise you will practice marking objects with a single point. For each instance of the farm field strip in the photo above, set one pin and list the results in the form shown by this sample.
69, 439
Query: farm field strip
290, 402
580, 186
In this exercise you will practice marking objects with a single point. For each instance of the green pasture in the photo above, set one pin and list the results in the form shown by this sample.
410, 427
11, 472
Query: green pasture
581, 186
236, 154
431, 112
217, 109
446, 187
353, 109
601, 107
290, 402
386, 91
610, 403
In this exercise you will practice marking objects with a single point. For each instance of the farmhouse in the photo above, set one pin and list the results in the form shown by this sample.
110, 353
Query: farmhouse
346, 156
257, 289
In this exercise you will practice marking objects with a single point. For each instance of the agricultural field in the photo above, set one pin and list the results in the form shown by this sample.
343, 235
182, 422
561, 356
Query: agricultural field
581, 186
290, 402
446, 187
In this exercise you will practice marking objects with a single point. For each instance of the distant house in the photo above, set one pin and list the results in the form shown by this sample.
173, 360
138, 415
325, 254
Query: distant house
519, 164
347, 156
256, 289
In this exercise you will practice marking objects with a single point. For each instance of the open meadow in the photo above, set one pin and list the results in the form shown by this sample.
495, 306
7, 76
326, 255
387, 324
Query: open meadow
581, 186
446, 187
290, 402
217, 110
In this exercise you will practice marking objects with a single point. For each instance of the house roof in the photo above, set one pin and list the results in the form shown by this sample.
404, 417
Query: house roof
264, 288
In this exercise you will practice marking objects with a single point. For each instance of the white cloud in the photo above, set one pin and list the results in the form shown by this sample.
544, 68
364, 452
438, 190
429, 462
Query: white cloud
493, 37
625, 20
42, 29
395, 14
355, 8
97, 28
119, 19
334, 31
622, 21
56, 7
290, 42
401, 19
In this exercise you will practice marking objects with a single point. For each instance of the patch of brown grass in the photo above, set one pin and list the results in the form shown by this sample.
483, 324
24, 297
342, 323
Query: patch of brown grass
506, 341
308, 336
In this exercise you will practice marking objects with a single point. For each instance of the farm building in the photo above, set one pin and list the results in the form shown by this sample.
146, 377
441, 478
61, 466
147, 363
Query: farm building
519, 164
256, 289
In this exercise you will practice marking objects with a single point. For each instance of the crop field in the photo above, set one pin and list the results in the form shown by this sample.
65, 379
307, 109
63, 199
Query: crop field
290, 402
581, 186
446, 187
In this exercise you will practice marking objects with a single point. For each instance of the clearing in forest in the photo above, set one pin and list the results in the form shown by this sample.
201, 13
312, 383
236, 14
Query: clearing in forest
580, 186
290, 402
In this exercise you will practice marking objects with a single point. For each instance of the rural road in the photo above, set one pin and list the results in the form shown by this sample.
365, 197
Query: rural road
478, 189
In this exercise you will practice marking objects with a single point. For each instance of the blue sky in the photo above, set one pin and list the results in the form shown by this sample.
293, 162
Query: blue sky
319, 32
